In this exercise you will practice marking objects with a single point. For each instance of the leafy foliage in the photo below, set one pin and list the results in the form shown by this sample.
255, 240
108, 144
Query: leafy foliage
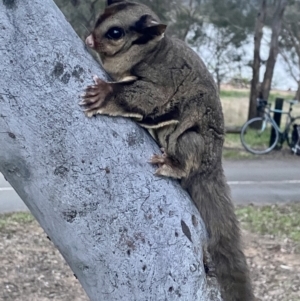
290, 42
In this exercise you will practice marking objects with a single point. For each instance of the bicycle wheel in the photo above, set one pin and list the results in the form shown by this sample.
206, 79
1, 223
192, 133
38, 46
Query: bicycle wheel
256, 134
289, 132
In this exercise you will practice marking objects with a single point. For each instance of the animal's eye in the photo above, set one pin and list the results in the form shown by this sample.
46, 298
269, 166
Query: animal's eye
115, 33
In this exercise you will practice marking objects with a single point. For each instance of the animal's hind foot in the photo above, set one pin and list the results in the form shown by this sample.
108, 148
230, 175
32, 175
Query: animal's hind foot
167, 168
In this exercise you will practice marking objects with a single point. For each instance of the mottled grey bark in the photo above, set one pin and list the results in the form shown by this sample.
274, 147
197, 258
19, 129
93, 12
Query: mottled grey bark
126, 234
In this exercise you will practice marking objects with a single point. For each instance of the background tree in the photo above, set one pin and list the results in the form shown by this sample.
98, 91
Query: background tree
81, 14
224, 29
276, 28
270, 13
290, 43
222, 56
187, 18
178, 14
258, 34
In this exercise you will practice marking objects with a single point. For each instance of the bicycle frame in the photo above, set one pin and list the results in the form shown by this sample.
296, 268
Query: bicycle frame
290, 119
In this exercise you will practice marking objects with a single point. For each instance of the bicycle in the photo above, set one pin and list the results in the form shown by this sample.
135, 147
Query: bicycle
256, 132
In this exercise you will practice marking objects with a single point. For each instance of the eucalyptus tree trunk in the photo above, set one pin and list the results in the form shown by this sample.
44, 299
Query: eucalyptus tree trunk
274, 47
261, 15
126, 234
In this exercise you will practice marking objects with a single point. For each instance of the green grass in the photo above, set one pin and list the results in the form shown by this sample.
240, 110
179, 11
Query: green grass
274, 95
233, 140
233, 148
234, 94
13, 218
253, 138
278, 220
256, 139
237, 154
246, 94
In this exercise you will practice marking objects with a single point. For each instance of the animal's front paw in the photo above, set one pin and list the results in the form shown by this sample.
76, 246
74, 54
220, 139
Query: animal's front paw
95, 95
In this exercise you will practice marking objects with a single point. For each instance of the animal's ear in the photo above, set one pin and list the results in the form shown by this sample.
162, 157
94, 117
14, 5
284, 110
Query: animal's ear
148, 25
110, 2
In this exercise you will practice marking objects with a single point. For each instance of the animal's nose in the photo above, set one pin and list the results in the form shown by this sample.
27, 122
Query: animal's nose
89, 41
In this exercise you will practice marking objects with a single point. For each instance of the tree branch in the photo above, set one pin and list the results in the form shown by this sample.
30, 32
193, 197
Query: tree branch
289, 65
294, 41
87, 181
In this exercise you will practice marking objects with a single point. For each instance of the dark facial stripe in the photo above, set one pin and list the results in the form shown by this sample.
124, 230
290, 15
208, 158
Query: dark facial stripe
146, 35
149, 31
143, 40
111, 10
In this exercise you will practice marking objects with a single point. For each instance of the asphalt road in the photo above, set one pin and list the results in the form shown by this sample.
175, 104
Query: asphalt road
9, 199
264, 181
257, 182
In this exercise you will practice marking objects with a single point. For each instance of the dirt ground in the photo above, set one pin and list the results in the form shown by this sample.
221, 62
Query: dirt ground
31, 269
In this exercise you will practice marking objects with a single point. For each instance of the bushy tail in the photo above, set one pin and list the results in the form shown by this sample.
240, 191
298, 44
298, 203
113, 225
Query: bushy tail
212, 197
